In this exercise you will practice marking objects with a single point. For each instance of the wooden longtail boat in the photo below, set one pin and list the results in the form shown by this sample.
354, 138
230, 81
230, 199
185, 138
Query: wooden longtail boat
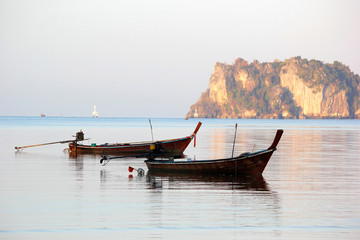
170, 146
245, 164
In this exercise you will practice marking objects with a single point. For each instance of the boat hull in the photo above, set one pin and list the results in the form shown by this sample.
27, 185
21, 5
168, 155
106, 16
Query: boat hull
253, 163
245, 164
165, 147
172, 146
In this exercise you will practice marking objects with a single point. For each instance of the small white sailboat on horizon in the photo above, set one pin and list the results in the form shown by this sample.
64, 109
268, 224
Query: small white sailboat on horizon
95, 113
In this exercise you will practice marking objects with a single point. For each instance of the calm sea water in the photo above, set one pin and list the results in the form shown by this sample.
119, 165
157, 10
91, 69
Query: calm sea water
309, 190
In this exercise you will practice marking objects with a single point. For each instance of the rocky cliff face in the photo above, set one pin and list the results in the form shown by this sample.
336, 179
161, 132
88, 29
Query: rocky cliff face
294, 88
218, 92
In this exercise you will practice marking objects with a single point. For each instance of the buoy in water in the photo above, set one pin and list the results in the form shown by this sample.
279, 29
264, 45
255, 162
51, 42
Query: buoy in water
140, 171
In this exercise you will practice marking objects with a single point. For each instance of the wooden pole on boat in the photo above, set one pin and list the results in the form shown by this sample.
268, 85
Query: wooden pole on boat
152, 135
75, 143
43, 144
79, 137
232, 155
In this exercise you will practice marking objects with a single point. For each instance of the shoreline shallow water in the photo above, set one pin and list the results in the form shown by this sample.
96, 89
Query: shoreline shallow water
310, 188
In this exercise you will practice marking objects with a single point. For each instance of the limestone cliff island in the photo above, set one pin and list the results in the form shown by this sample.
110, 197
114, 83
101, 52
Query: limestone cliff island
293, 88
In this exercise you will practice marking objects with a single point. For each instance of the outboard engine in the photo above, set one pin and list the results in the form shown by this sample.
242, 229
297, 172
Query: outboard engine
80, 136
155, 148
158, 148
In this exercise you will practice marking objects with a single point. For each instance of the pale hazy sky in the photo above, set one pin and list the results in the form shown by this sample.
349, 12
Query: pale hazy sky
153, 58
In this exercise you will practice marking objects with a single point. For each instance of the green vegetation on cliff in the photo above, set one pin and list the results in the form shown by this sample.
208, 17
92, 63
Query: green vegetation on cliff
266, 90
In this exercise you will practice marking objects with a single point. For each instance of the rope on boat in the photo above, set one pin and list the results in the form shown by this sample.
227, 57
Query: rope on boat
67, 150
105, 160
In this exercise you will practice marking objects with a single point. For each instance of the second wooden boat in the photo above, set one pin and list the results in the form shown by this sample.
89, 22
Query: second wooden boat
247, 163
174, 146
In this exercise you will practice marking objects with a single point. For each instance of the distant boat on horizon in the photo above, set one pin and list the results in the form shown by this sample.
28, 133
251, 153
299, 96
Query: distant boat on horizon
95, 113
42, 115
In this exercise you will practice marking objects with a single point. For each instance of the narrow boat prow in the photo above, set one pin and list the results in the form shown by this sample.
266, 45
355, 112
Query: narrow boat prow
277, 138
197, 128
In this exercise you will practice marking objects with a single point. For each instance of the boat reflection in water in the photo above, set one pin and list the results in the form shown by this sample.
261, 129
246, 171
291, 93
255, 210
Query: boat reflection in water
203, 181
